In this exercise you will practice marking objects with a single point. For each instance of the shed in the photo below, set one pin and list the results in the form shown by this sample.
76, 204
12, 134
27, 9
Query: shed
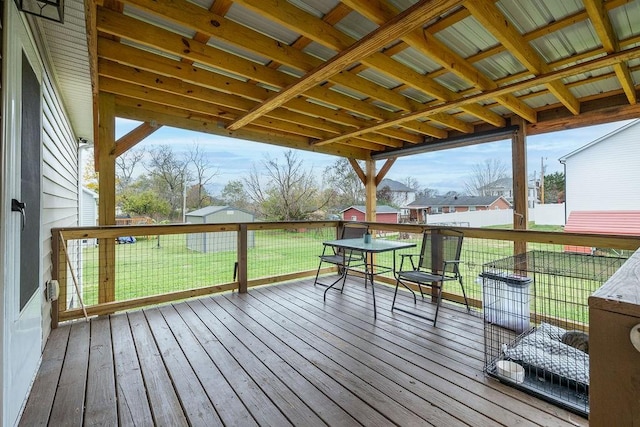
384, 213
217, 241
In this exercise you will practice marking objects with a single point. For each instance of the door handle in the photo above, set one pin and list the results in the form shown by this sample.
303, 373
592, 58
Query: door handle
17, 206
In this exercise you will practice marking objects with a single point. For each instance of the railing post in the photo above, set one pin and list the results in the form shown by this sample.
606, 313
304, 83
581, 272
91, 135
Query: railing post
242, 258
107, 270
437, 257
59, 273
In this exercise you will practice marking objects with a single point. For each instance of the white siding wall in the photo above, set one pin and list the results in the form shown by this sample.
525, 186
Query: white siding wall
606, 175
59, 182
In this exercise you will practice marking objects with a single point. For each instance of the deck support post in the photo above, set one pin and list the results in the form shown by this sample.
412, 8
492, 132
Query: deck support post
106, 151
520, 184
370, 191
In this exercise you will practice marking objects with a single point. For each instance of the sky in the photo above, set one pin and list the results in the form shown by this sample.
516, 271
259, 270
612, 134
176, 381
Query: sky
445, 170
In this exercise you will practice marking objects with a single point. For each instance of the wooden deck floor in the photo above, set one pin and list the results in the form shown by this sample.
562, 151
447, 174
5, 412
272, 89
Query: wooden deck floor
277, 356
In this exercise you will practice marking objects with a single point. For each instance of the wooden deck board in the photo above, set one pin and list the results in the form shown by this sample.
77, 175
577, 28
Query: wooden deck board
278, 355
38, 407
164, 402
68, 404
100, 407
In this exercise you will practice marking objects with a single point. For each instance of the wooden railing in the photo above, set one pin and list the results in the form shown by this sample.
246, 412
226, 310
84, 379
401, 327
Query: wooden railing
172, 262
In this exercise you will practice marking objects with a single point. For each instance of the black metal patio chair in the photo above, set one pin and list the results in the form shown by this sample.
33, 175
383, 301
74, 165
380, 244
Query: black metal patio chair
343, 259
427, 273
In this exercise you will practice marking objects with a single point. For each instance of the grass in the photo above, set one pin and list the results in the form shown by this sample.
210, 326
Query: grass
151, 267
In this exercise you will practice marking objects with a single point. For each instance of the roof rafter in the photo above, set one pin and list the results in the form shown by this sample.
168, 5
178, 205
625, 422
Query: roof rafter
414, 16
212, 25
600, 20
311, 27
541, 79
427, 44
488, 15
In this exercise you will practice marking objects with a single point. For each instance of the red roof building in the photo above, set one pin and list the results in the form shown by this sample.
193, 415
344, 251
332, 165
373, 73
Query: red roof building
602, 222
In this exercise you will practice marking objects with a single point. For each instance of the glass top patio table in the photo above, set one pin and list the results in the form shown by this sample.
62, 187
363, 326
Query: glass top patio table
373, 247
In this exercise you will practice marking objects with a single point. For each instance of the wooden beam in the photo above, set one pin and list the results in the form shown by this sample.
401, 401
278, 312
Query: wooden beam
165, 72
520, 184
209, 25
495, 22
370, 191
106, 146
416, 15
319, 31
147, 111
598, 111
129, 140
358, 170
605, 61
602, 24
433, 48
92, 47
383, 171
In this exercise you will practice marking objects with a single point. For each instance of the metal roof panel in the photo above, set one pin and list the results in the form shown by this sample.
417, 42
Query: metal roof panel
256, 22
416, 61
379, 78
626, 20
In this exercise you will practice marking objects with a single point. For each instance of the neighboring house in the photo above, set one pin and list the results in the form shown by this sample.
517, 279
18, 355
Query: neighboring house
88, 208
88, 213
217, 241
504, 187
418, 210
400, 194
384, 213
604, 174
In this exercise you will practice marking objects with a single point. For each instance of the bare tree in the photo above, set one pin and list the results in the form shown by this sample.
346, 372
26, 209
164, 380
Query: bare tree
421, 192
202, 172
291, 192
169, 174
126, 164
483, 176
341, 178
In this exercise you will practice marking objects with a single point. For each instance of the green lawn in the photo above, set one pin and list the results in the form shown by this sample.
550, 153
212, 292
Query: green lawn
149, 267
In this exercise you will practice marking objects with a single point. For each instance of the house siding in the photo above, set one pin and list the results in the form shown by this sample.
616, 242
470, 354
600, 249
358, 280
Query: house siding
605, 176
59, 182
388, 218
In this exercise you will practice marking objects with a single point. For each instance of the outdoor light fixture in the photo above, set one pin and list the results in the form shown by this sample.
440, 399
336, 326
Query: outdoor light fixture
48, 9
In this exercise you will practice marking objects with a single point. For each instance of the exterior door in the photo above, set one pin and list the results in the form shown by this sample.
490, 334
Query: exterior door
20, 232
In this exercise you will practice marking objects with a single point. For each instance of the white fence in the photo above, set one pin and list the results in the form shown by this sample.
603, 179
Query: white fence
552, 214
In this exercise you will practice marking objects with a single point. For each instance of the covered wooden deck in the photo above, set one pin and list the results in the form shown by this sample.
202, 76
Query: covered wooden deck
277, 356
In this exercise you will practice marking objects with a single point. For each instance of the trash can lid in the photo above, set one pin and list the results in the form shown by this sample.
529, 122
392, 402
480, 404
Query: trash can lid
510, 279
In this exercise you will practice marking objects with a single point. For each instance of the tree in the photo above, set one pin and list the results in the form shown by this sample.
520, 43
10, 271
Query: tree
89, 175
421, 192
554, 187
145, 203
291, 193
203, 173
479, 183
343, 180
169, 175
235, 195
125, 167
384, 195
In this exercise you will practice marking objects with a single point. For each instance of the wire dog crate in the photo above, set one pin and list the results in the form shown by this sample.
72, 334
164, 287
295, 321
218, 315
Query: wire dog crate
536, 316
